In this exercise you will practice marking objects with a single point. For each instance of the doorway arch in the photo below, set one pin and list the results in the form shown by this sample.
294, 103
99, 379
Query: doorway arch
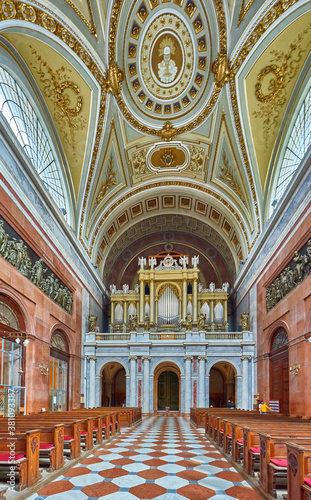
279, 369
113, 385
167, 387
222, 384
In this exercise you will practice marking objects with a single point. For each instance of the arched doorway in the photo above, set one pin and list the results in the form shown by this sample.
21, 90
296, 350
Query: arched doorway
279, 370
113, 385
167, 387
222, 384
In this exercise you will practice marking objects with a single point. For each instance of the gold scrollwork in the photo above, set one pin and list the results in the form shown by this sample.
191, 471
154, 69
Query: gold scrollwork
49, 23
222, 70
62, 100
275, 86
114, 79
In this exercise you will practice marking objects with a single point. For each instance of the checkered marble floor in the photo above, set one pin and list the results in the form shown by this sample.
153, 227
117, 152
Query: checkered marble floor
164, 458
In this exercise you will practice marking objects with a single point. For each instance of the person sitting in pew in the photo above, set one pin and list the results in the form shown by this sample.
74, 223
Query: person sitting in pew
230, 404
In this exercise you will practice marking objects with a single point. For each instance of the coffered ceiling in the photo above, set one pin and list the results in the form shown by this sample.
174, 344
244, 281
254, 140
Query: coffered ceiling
167, 114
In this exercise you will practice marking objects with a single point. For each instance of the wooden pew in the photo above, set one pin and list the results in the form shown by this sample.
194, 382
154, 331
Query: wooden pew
51, 441
273, 456
298, 471
25, 447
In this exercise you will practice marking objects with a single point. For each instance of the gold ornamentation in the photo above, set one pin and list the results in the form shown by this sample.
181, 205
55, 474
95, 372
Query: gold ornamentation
197, 159
227, 176
222, 70
114, 79
287, 67
168, 132
28, 12
244, 9
8, 10
90, 25
168, 159
55, 84
139, 162
108, 183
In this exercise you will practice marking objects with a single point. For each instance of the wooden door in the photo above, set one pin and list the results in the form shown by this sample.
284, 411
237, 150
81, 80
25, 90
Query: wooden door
168, 391
279, 379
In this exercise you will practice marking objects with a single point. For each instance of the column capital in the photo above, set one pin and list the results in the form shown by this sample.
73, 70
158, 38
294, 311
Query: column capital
146, 358
245, 358
132, 358
91, 358
202, 358
188, 358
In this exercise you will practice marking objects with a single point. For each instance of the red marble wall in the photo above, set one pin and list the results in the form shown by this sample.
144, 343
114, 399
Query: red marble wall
41, 316
293, 313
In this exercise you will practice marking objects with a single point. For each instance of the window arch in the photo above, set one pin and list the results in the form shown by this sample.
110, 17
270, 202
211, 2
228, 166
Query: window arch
296, 147
29, 131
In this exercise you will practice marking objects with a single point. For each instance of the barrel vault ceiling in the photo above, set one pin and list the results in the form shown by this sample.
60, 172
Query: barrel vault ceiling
166, 113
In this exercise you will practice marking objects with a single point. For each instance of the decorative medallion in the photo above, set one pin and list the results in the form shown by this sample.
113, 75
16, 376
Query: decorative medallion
172, 157
167, 57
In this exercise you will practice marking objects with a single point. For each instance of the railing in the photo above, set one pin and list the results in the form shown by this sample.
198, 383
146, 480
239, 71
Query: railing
170, 335
224, 336
113, 336
167, 336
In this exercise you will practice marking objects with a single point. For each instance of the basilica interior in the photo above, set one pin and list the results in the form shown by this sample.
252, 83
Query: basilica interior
155, 188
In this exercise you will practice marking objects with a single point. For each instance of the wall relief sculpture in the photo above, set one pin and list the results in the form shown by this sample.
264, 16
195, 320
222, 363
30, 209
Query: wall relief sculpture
19, 255
295, 272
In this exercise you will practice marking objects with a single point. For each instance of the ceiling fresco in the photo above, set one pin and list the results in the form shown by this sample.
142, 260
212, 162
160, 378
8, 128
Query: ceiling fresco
165, 113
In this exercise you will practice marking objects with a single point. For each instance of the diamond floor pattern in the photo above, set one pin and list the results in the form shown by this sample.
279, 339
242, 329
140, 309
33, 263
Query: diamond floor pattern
164, 458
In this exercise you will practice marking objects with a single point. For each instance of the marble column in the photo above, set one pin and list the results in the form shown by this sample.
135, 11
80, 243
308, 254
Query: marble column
152, 320
146, 385
92, 386
245, 384
133, 380
141, 300
184, 298
201, 391
187, 384
207, 391
195, 300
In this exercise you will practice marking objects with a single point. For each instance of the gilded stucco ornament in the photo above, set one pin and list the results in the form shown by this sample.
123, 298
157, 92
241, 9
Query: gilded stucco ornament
222, 70
168, 132
114, 79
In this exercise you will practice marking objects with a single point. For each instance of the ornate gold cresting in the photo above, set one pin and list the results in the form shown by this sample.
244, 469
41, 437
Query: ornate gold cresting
168, 132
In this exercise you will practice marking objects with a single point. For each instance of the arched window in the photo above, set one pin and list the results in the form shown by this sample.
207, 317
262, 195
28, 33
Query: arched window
11, 361
296, 148
26, 126
58, 373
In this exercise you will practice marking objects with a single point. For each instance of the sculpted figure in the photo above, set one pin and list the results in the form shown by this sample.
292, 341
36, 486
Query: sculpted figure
152, 262
37, 273
297, 267
244, 317
202, 319
92, 322
195, 261
183, 261
133, 322
142, 262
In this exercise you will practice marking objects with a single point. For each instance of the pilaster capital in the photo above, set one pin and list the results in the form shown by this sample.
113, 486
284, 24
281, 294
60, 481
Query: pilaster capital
245, 358
202, 358
188, 358
132, 358
91, 358
146, 358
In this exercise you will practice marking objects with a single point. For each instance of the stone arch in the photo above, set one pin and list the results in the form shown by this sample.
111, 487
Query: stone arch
113, 384
222, 383
167, 386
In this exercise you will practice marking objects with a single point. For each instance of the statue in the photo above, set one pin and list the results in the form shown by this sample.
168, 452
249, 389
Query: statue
113, 289
152, 262
92, 322
202, 319
37, 273
142, 262
136, 288
297, 267
125, 288
195, 261
244, 321
225, 287
133, 322
183, 261
188, 321
147, 322
212, 287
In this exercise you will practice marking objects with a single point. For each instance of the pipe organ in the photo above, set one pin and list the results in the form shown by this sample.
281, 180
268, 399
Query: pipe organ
169, 295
